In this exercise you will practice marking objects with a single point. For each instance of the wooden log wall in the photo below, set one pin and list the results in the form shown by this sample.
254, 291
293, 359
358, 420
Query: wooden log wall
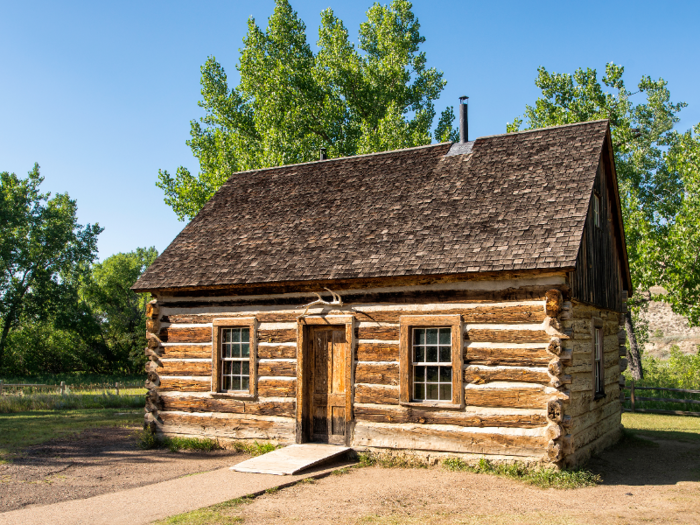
518, 371
593, 422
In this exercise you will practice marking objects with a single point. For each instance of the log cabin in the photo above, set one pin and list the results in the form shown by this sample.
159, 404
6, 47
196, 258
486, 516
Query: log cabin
452, 299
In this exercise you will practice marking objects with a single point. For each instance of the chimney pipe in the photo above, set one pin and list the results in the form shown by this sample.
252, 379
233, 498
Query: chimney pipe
323, 155
463, 120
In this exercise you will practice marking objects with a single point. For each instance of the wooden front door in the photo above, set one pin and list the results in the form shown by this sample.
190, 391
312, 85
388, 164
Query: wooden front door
327, 360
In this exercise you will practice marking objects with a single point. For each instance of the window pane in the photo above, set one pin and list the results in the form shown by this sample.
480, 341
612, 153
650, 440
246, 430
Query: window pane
236, 334
245, 350
244, 383
419, 391
419, 374
431, 336
245, 368
420, 354
445, 354
445, 336
431, 354
235, 383
431, 392
445, 374
245, 335
432, 373
419, 335
227, 368
445, 392
226, 335
236, 367
225, 383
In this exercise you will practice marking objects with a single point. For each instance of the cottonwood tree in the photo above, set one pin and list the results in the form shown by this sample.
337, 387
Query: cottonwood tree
651, 161
376, 96
43, 251
119, 314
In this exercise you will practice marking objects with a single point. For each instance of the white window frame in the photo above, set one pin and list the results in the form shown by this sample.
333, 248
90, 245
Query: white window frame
219, 327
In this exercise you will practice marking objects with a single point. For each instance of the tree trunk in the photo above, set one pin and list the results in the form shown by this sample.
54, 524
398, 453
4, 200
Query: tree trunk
3, 339
635, 360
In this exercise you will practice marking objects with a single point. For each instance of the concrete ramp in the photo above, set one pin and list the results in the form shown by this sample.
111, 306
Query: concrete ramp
290, 460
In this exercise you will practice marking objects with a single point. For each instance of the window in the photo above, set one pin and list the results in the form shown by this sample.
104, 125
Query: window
235, 356
235, 359
596, 210
432, 364
431, 361
598, 370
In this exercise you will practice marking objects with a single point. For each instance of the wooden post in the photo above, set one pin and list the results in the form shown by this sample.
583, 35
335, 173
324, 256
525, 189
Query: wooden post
63, 388
632, 395
0, 387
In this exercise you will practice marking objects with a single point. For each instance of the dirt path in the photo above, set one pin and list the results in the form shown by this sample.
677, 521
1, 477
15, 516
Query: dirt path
642, 485
97, 461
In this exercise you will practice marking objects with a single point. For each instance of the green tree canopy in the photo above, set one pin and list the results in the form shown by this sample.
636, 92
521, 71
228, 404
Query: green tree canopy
43, 251
118, 312
657, 172
376, 96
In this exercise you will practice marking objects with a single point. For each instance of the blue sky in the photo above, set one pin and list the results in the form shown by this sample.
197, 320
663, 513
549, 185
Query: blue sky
101, 94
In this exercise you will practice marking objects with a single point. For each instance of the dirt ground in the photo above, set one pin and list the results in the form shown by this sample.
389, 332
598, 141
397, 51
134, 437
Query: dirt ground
642, 484
96, 461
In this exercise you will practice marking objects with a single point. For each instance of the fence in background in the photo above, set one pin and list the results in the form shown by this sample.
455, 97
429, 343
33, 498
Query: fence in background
692, 404
64, 389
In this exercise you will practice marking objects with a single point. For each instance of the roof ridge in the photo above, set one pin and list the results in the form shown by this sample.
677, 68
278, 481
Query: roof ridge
533, 130
349, 157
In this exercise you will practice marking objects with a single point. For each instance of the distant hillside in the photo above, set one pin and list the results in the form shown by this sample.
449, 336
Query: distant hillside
667, 329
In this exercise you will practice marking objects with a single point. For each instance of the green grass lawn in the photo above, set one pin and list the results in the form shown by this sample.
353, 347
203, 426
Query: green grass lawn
680, 428
23, 429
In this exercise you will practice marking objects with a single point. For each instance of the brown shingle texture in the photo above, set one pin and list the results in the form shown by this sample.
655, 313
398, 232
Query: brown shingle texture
517, 202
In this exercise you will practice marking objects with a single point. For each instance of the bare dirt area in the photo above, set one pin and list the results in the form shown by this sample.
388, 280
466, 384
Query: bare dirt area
96, 461
643, 484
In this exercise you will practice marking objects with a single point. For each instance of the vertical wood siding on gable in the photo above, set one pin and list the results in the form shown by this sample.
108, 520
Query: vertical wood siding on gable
597, 279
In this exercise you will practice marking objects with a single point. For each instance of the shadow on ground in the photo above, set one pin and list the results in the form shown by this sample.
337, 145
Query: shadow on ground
650, 457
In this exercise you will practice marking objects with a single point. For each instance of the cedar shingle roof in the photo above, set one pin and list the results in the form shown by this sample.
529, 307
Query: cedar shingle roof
517, 202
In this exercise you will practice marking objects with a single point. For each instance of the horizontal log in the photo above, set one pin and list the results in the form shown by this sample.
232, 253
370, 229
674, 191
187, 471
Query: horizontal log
174, 334
508, 336
420, 437
185, 368
377, 374
278, 336
581, 422
377, 352
277, 352
397, 414
277, 388
229, 406
381, 333
231, 426
507, 356
277, 369
521, 293
479, 375
186, 352
382, 395
593, 432
517, 313
585, 401
184, 385
507, 398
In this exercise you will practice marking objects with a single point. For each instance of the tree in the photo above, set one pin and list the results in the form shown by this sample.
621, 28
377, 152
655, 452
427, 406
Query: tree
119, 313
43, 252
653, 194
291, 102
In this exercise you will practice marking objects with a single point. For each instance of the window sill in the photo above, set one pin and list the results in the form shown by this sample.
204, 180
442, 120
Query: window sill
243, 396
431, 404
